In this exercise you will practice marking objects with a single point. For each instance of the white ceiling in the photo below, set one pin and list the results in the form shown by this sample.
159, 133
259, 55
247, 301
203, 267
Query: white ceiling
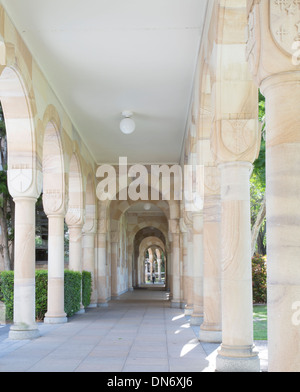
105, 56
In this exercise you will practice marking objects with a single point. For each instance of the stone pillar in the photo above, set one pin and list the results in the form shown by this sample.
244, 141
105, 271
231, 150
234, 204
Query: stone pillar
55, 309
174, 230
114, 263
237, 306
130, 266
75, 252
159, 269
146, 272
24, 326
88, 262
197, 315
237, 351
283, 220
273, 28
151, 263
211, 328
189, 276
101, 267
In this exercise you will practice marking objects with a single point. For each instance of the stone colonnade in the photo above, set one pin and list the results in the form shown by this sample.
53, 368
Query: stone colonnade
209, 251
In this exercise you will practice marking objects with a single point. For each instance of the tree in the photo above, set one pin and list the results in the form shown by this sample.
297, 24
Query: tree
258, 188
6, 202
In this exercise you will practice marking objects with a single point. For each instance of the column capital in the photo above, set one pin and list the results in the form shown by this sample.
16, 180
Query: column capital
273, 43
174, 226
114, 236
74, 216
54, 202
101, 226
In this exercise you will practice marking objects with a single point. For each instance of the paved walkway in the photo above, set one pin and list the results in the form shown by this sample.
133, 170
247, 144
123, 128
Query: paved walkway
138, 332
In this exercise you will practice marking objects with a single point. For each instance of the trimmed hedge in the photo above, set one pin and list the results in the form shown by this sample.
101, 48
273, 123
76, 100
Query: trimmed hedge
259, 279
7, 292
72, 292
73, 282
86, 288
41, 293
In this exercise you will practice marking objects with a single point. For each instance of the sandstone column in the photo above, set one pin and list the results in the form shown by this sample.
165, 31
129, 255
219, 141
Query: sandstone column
197, 315
235, 143
237, 310
24, 326
237, 353
159, 269
101, 265
55, 310
273, 55
211, 328
175, 260
88, 262
114, 235
189, 278
75, 252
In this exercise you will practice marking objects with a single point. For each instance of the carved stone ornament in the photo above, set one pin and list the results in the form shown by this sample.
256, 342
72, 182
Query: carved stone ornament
20, 178
285, 24
212, 180
236, 140
253, 38
52, 200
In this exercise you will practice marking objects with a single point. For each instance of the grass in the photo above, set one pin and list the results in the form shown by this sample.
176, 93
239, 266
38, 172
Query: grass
260, 322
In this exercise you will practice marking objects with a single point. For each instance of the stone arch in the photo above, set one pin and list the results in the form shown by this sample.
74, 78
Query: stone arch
90, 204
24, 175
74, 215
151, 242
144, 238
54, 188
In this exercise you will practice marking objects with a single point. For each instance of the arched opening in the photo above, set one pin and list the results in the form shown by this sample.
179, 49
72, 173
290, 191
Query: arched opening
54, 207
150, 256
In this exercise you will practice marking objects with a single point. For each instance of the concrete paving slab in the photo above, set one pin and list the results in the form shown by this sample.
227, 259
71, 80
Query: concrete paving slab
138, 332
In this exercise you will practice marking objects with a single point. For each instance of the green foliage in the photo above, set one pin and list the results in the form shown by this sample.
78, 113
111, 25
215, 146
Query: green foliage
258, 180
73, 281
260, 319
259, 279
72, 292
7, 292
41, 293
86, 288
260, 163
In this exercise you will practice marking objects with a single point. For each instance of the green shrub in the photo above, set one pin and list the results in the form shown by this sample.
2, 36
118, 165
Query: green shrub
72, 292
86, 288
73, 282
7, 292
259, 279
41, 293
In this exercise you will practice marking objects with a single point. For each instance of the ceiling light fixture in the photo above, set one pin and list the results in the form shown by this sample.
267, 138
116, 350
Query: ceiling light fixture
147, 206
127, 125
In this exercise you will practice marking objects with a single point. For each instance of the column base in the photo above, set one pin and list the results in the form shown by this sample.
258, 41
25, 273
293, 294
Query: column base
55, 320
81, 311
92, 306
210, 336
188, 310
241, 362
175, 304
20, 332
102, 305
196, 319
